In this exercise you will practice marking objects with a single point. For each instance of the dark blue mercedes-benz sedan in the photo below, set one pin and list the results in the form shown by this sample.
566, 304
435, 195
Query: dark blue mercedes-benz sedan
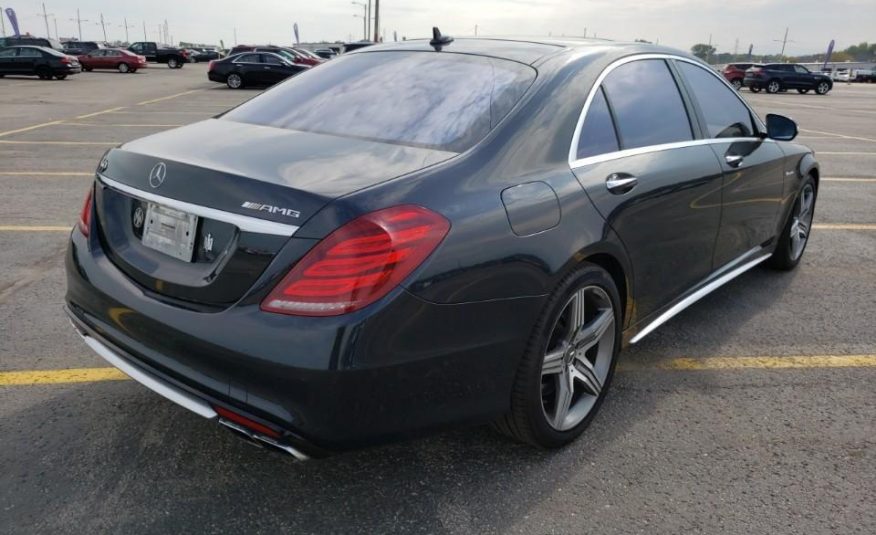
431, 233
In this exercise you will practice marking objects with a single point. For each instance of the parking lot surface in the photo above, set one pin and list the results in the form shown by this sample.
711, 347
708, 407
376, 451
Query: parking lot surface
752, 412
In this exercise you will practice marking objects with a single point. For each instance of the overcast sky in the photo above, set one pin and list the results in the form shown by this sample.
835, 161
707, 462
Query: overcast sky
677, 23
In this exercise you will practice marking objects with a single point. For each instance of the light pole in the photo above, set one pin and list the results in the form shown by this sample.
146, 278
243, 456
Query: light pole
376, 21
103, 26
46, 19
126, 26
79, 22
369, 19
364, 18
2, 24
145, 37
55, 22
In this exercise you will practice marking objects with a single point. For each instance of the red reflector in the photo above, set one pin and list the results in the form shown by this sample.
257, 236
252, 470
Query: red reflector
359, 263
246, 422
85, 214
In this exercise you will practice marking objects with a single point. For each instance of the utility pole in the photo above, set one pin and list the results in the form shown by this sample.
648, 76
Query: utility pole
368, 15
145, 37
364, 18
784, 42
2, 24
127, 39
103, 26
46, 18
55, 21
79, 20
376, 21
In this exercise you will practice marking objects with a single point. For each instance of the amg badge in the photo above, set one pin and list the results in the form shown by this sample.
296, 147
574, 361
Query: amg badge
288, 212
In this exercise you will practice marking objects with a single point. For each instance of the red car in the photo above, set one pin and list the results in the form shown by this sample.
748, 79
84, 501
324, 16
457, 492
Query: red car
735, 73
112, 58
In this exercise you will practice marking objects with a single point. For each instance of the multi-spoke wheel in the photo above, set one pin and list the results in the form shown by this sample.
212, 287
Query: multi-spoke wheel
822, 88
578, 359
773, 87
563, 377
795, 236
737, 84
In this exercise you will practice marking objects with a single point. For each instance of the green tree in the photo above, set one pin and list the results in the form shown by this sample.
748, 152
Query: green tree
702, 50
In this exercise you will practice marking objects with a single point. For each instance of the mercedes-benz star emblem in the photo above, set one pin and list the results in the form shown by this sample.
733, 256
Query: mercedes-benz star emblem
157, 175
138, 218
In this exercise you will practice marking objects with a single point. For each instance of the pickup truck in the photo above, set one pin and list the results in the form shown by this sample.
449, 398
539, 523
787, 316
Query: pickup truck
174, 57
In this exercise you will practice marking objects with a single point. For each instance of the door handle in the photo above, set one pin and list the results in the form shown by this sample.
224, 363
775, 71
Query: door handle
733, 160
620, 183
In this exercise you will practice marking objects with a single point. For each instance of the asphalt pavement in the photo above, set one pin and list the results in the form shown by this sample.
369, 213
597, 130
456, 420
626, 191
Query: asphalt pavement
752, 412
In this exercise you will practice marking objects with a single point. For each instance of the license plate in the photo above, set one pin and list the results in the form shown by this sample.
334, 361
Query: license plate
170, 231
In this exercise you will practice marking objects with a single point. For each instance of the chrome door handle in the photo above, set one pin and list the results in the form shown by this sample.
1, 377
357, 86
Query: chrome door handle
733, 160
620, 183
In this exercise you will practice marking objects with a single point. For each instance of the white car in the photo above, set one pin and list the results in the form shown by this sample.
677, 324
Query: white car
841, 75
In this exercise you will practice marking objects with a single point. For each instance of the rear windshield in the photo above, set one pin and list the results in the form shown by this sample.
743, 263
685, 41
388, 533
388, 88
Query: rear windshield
442, 100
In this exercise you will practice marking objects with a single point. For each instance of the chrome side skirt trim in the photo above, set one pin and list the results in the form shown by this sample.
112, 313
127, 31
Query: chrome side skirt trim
159, 387
702, 292
244, 223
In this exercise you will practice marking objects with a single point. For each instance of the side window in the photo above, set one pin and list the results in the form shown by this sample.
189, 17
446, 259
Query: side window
29, 53
248, 58
271, 59
647, 105
8, 53
725, 114
597, 133
800, 69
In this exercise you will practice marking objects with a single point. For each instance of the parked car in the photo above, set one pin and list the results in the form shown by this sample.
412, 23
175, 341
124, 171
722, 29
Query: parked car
406, 239
80, 48
37, 61
735, 73
205, 54
325, 53
118, 59
299, 56
174, 57
33, 41
841, 75
252, 69
775, 77
863, 75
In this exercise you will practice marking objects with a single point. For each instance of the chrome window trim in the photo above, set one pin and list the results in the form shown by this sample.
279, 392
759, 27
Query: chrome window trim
575, 162
243, 222
717, 279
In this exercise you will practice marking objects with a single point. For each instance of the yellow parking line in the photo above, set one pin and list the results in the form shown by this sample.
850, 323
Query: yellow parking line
126, 125
28, 128
736, 363
75, 375
93, 375
95, 114
35, 228
17, 142
154, 100
44, 173
843, 136
843, 226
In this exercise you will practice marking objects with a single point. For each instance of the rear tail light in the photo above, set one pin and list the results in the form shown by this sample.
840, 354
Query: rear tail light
65, 59
359, 263
85, 214
210, 65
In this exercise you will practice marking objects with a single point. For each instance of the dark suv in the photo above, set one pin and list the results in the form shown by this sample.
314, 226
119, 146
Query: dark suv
775, 77
80, 48
735, 73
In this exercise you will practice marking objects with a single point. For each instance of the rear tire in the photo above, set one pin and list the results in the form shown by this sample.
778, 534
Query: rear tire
123, 68
796, 231
567, 366
773, 87
234, 81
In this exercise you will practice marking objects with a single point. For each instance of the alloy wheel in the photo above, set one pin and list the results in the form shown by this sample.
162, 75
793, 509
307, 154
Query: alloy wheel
822, 88
737, 84
773, 87
123, 67
172, 63
578, 358
802, 221
234, 81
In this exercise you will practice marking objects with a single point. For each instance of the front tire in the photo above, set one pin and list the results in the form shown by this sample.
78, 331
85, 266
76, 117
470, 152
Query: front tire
123, 68
822, 88
773, 87
568, 364
172, 63
234, 81
795, 234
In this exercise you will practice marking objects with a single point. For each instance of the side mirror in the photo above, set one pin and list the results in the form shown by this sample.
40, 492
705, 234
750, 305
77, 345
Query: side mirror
780, 127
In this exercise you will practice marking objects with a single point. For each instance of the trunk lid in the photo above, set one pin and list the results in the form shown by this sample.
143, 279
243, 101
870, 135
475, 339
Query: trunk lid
195, 215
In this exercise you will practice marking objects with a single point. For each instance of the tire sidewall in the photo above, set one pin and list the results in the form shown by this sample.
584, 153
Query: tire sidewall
172, 63
781, 257
586, 275
778, 87
228, 81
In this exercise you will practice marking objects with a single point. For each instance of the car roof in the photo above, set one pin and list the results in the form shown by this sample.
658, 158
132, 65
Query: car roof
523, 49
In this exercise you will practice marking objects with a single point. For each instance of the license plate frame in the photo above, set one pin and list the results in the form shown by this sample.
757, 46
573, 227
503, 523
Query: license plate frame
169, 231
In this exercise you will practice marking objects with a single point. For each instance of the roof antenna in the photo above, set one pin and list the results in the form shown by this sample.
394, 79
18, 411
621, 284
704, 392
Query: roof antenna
439, 41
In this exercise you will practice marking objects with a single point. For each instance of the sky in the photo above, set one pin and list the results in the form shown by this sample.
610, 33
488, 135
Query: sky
675, 23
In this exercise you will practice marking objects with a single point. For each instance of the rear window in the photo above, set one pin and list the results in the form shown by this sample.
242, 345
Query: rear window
444, 101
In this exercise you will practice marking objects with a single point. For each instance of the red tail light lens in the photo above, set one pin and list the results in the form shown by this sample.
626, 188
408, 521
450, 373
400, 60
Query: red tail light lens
246, 422
210, 65
85, 214
359, 263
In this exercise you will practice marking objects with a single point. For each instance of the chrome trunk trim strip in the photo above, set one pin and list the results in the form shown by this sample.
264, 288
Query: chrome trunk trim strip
244, 223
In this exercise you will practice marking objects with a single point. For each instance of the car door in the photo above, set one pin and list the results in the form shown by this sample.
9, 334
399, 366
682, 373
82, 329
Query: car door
752, 166
656, 186
275, 69
111, 59
7, 60
97, 59
28, 59
805, 79
250, 68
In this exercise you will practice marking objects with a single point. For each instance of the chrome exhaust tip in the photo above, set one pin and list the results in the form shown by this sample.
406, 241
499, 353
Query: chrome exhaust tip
262, 440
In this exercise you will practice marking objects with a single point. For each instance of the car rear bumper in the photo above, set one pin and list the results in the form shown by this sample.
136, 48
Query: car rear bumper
399, 368
216, 77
